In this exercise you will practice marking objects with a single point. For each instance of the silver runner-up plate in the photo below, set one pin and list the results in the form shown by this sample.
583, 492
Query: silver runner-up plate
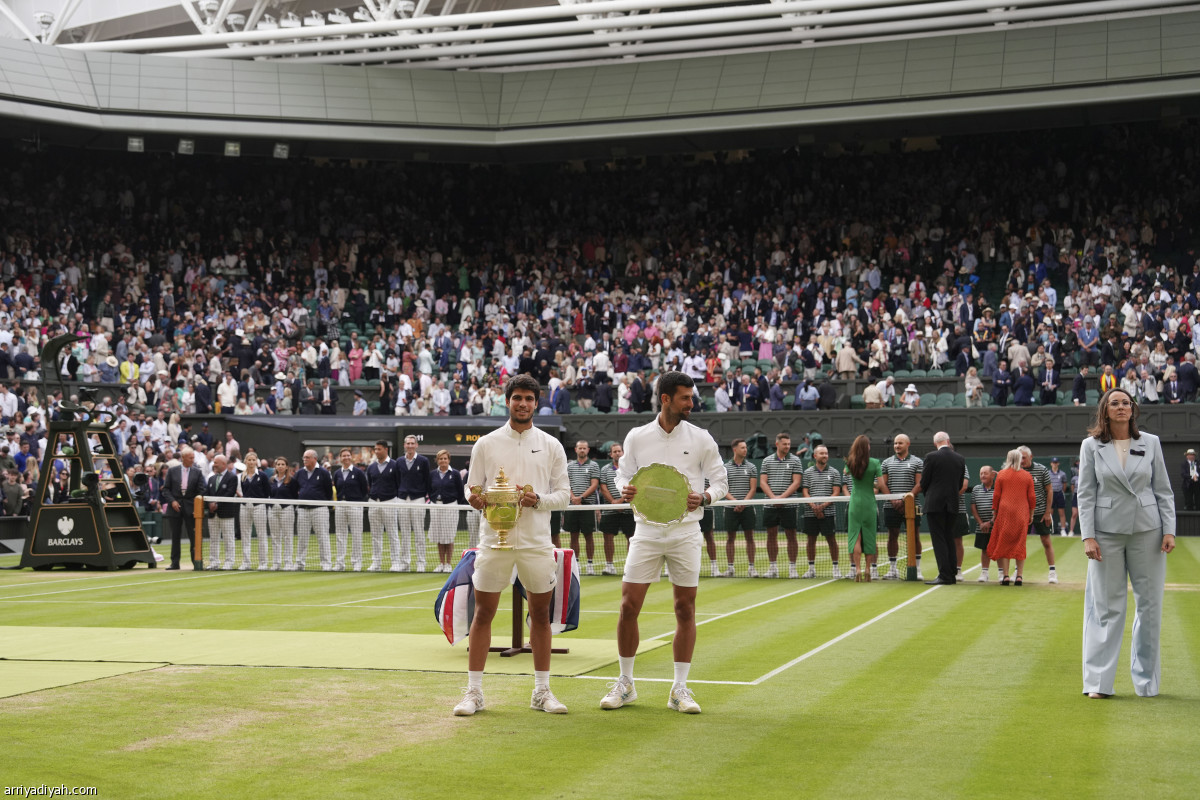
662, 493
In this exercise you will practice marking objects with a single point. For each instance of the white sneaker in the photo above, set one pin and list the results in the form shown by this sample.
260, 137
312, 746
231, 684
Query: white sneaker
373, 568
396, 568
983, 578
620, 692
339, 567
683, 700
959, 576
772, 572
1053, 577
728, 573
811, 572
544, 700
245, 565
264, 567
716, 573
853, 573
752, 572
609, 569
666, 572
837, 573
420, 567
472, 701
892, 575
589, 570
920, 577
299, 566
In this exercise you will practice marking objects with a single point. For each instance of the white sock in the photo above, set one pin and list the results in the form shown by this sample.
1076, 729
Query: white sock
541, 679
681, 672
475, 680
729, 565
626, 666
608, 565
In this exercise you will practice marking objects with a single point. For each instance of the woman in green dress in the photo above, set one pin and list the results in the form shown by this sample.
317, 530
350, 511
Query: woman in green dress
866, 478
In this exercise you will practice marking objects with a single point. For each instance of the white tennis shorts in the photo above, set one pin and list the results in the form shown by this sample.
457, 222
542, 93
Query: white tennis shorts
536, 569
681, 551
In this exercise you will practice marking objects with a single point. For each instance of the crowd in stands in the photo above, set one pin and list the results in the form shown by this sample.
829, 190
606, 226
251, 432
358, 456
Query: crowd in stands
254, 287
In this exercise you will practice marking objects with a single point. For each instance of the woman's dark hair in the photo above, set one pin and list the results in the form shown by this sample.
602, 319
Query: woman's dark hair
859, 457
523, 381
1100, 429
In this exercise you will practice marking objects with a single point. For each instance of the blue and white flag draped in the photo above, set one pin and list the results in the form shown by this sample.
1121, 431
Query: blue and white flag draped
455, 605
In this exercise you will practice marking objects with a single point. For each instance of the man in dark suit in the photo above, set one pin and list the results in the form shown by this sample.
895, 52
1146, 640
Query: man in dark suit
183, 485
604, 397
1079, 387
222, 483
1023, 388
1189, 377
1191, 481
942, 482
560, 399
637, 393
1051, 378
1172, 391
203, 391
328, 398
1001, 383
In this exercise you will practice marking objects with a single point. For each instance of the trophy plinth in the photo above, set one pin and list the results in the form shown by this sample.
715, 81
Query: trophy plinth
502, 507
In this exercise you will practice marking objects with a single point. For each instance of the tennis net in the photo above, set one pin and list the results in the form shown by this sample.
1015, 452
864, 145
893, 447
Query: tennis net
791, 538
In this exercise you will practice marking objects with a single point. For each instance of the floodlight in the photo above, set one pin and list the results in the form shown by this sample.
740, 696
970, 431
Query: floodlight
281, 150
186, 147
135, 144
233, 149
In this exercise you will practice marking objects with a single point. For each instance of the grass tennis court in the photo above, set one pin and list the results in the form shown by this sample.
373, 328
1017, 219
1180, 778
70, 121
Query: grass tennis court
809, 688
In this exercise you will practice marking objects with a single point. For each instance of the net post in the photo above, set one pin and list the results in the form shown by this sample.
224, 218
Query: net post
910, 523
198, 534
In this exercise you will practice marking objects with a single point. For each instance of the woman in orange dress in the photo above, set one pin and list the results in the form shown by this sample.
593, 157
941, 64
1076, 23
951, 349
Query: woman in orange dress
1012, 505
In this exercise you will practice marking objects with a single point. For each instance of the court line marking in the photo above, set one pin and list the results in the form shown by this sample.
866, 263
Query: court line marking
748, 608
123, 585
386, 596
847, 634
291, 605
664, 680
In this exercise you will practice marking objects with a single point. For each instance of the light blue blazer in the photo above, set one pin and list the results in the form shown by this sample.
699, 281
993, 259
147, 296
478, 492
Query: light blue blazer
1136, 498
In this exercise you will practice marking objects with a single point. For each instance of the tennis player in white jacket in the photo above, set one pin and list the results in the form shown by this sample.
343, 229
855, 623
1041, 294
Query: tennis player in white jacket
531, 457
670, 439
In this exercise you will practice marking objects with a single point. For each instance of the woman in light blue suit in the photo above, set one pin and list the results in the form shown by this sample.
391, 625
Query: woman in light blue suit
1127, 519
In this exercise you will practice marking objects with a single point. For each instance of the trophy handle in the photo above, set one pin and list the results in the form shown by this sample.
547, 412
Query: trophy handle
477, 490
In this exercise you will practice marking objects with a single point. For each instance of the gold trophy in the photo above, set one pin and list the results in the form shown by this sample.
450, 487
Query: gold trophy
502, 507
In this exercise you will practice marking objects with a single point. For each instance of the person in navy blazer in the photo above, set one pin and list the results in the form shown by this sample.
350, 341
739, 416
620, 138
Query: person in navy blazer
1023, 386
1189, 377
1051, 378
1127, 521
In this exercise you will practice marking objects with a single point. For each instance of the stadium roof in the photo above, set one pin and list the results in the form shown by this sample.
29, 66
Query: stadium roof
525, 34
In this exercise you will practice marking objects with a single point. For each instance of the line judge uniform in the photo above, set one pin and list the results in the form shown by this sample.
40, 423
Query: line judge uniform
1127, 505
531, 457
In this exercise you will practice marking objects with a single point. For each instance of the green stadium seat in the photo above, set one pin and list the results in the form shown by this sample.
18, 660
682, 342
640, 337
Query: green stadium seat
960, 400
1093, 397
857, 402
917, 373
766, 365
902, 374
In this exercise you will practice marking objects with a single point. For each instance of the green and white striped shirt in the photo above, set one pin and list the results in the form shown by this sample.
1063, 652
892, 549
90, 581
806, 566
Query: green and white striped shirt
779, 472
741, 477
1041, 487
820, 483
581, 476
902, 476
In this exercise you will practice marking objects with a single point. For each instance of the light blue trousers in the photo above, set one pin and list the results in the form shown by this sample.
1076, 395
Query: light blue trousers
1138, 556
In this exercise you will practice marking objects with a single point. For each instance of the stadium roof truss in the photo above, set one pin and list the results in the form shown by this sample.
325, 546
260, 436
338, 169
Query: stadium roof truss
527, 34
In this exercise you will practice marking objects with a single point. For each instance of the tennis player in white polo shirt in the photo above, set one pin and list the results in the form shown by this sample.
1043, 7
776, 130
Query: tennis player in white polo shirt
669, 439
531, 457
